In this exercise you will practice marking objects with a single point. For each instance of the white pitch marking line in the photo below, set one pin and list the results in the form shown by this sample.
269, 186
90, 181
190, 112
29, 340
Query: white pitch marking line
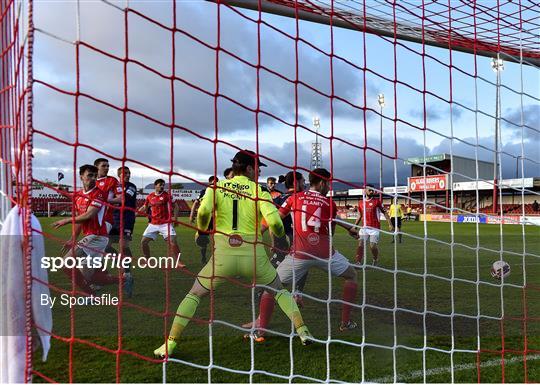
447, 369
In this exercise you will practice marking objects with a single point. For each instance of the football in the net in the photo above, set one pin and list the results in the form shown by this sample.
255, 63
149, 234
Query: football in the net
500, 269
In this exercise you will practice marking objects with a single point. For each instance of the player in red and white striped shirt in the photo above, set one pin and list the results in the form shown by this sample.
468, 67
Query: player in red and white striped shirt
369, 210
160, 203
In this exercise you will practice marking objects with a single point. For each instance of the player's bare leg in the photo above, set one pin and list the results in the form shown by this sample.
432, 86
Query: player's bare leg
174, 250
350, 288
80, 277
360, 251
299, 289
145, 246
375, 252
101, 277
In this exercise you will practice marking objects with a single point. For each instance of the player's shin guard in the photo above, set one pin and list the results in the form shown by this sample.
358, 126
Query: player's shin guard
349, 295
78, 279
184, 313
266, 308
286, 302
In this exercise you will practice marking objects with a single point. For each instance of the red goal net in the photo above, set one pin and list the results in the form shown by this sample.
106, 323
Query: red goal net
435, 104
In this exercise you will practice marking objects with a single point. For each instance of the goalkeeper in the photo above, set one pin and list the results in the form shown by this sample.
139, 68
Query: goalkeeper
238, 205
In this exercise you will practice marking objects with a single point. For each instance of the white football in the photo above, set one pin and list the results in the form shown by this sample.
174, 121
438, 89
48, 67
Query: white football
500, 269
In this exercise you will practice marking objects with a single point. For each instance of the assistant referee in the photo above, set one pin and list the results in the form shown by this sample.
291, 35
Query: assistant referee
396, 215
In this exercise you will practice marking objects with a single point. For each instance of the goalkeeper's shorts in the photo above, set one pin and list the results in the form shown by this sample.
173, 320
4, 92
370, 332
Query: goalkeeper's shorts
232, 265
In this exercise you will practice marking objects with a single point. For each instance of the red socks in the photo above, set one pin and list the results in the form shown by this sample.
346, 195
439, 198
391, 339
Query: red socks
266, 308
103, 278
349, 295
78, 279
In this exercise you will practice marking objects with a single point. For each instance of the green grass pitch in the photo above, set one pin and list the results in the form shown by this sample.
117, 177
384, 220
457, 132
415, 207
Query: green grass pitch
393, 338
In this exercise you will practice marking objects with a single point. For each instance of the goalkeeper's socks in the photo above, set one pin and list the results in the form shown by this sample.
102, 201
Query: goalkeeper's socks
184, 313
286, 302
266, 308
349, 294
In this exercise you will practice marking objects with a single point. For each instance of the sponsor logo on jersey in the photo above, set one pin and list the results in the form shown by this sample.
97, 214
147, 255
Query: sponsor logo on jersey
235, 240
313, 239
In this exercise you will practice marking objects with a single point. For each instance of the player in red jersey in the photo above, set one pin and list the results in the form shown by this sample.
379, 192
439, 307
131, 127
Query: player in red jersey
160, 203
112, 190
89, 219
110, 187
369, 209
312, 215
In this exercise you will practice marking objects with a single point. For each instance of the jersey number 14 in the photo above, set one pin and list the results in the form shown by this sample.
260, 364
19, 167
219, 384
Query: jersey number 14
314, 220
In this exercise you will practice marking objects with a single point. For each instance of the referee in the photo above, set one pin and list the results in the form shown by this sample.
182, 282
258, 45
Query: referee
396, 215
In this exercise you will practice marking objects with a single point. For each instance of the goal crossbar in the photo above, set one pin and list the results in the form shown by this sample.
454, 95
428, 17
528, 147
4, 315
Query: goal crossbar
410, 30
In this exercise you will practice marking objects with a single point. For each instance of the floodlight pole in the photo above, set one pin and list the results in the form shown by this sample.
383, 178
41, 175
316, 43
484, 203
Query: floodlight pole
316, 147
497, 65
380, 100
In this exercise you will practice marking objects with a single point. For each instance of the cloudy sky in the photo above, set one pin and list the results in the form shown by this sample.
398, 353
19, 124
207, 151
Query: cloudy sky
261, 106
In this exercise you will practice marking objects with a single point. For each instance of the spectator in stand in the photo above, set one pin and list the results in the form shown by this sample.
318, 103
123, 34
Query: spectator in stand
535, 206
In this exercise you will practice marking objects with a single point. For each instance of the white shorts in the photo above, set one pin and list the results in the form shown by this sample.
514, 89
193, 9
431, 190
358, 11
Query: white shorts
94, 245
108, 226
165, 230
368, 233
297, 268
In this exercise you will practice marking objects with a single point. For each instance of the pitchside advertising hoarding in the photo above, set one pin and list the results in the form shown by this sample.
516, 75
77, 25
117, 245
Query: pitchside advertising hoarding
428, 183
187, 195
482, 218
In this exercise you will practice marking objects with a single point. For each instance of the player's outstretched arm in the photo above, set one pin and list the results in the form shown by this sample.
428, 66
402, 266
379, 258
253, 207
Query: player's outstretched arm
175, 210
387, 217
194, 208
359, 218
143, 209
69, 243
89, 214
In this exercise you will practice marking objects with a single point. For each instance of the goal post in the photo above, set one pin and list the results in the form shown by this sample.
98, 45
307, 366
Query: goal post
62, 209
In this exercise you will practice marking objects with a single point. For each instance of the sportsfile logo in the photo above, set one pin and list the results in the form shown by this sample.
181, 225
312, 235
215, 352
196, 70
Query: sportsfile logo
110, 260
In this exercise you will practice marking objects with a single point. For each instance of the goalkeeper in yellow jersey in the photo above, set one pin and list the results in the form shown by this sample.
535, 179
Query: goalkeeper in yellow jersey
239, 205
